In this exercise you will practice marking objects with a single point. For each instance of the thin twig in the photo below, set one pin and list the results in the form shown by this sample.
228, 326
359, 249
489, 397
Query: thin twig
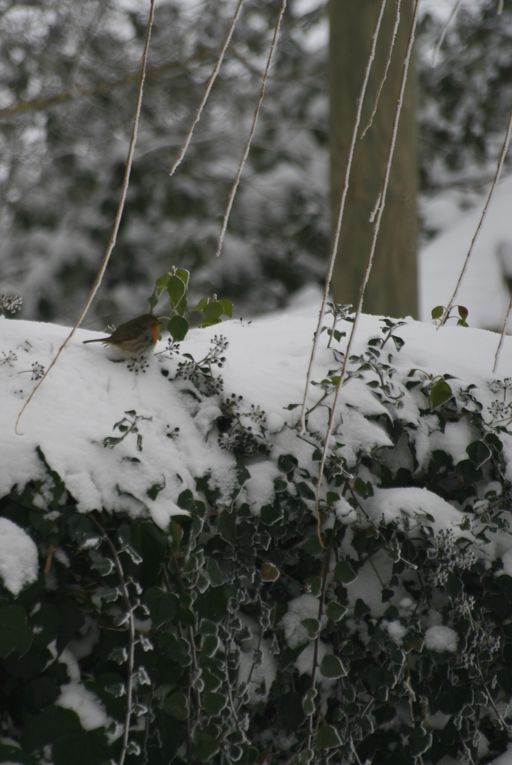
119, 213
497, 174
341, 212
236, 183
502, 336
444, 31
500, 7
376, 230
386, 68
209, 86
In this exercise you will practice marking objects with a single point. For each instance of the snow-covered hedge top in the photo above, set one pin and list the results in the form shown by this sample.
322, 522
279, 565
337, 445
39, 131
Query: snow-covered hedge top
266, 359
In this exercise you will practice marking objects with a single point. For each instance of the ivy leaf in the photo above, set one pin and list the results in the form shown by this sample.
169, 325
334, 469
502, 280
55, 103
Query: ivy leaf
437, 312
176, 706
327, 737
332, 667
440, 393
344, 572
308, 702
335, 611
176, 290
479, 453
227, 307
178, 327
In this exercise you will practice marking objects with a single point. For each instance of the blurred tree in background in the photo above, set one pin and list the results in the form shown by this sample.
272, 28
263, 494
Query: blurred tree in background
67, 91
391, 288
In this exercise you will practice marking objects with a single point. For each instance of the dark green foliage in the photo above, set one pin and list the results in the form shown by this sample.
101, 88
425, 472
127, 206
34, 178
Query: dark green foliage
238, 636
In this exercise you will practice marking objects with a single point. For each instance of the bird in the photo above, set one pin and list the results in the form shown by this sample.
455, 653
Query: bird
134, 337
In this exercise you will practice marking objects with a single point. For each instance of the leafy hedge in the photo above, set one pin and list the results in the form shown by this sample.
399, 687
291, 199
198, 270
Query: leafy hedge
239, 636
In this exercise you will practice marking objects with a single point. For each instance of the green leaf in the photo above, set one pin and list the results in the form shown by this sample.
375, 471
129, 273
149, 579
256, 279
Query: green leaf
335, 611
332, 667
479, 453
48, 726
363, 488
163, 606
327, 737
213, 703
437, 312
344, 572
206, 746
15, 634
227, 307
312, 627
178, 327
184, 275
176, 705
212, 313
177, 290
463, 312
440, 393
308, 702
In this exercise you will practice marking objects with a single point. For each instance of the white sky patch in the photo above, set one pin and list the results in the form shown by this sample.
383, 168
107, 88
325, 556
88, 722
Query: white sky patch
440, 638
18, 557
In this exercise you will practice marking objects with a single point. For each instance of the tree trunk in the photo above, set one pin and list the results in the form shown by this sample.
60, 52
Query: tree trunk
392, 288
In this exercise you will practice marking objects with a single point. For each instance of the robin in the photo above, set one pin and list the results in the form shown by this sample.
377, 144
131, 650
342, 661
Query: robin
134, 337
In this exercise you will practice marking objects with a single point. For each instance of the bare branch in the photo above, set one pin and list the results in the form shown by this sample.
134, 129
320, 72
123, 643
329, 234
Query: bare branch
209, 86
386, 69
497, 174
341, 212
442, 36
236, 183
46, 102
376, 230
119, 212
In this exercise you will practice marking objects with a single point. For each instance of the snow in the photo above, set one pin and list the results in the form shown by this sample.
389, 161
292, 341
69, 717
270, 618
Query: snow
412, 503
396, 631
440, 638
484, 289
87, 706
304, 607
505, 758
18, 557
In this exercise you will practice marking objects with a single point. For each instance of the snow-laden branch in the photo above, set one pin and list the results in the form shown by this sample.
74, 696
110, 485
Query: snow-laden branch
209, 86
497, 174
341, 212
118, 216
376, 230
264, 80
